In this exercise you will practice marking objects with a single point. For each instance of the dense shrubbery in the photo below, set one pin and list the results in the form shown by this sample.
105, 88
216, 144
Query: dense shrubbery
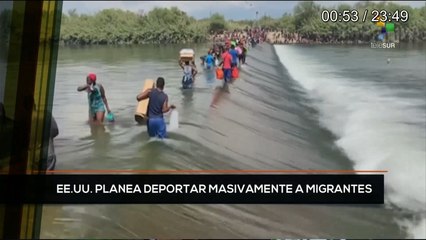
163, 25
115, 26
306, 21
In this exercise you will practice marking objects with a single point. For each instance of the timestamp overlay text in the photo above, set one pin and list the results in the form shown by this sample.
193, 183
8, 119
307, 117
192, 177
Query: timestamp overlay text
367, 15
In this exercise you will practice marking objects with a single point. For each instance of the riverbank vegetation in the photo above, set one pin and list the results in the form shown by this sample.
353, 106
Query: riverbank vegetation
160, 26
171, 25
306, 23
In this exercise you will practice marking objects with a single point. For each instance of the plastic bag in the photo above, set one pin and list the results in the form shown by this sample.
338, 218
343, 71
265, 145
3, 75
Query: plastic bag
110, 117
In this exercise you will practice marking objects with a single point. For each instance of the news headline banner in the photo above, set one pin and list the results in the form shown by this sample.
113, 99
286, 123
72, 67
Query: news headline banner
192, 189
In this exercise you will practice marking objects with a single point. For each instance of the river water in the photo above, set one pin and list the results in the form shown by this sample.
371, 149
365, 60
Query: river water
294, 107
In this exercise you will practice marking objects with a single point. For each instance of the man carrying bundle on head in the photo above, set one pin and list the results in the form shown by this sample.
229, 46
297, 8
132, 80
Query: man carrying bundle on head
189, 72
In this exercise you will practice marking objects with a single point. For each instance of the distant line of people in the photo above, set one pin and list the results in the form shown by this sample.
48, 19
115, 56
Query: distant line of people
228, 55
233, 55
251, 36
237, 47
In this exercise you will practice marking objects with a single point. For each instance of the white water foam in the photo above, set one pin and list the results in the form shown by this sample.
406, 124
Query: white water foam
375, 130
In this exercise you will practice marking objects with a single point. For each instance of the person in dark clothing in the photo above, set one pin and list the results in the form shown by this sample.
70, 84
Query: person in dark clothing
158, 105
244, 54
6, 133
47, 163
50, 162
253, 42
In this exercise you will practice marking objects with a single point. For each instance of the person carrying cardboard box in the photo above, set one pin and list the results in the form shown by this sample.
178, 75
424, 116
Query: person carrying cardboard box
157, 106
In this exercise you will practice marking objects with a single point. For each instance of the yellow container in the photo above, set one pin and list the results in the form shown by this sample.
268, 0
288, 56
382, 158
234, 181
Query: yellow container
380, 24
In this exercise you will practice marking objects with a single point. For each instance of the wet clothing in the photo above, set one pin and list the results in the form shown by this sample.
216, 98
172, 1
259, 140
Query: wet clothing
156, 124
187, 79
156, 102
227, 74
210, 75
227, 60
96, 103
227, 66
157, 128
234, 55
209, 60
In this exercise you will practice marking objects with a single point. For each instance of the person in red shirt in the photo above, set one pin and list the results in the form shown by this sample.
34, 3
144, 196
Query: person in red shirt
227, 64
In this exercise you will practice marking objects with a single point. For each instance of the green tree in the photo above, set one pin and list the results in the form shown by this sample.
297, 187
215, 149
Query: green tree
305, 12
268, 23
287, 23
171, 25
217, 23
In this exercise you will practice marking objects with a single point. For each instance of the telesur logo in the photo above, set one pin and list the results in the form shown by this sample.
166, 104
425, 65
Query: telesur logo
382, 39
